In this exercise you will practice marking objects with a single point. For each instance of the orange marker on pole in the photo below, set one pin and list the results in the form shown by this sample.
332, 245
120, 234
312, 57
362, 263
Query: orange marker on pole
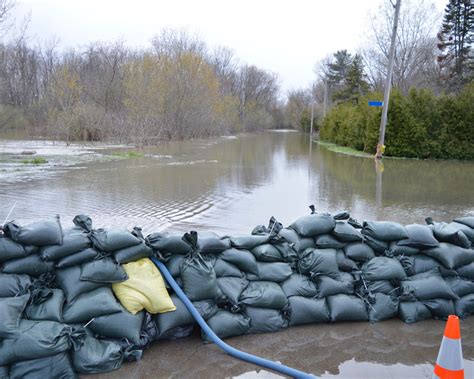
449, 364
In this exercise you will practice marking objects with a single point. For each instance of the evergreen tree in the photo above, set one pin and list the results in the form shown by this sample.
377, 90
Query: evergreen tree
338, 69
455, 43
354, 83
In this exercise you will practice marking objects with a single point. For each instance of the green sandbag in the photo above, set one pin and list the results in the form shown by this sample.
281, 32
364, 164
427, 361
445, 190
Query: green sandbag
37, 339
14, 285
346, 232
243, 259
395, 250
264, 320
468, 221
4, 372
359, 251
31, 265
249, 242
54, 366
327, 241
85, 307
168, 244
287, 251
226, 324
377, 286
73, 242
206, 308
413, 311
272, 271
267, 253
211, 243
132, 253
97, 356
104, 270
451, 256
173, 264
264, 295
223, 268
199, 279
382, 307
328, 286
11, 309
119, 325
383, 268
467, 230
113, 239
384, 230
314, 224
319, 261
168, 321
300, 244
10, 249
308, 311
41, 233
299, 285
464, 306
460, 286
426, 286
347, 308
453, 233
232, 288
50, 308
68, 279
419, 236
378, 246
344, 263
440, 308
466, 271
79, 258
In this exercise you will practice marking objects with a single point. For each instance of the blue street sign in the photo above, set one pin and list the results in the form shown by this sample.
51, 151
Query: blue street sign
375, 103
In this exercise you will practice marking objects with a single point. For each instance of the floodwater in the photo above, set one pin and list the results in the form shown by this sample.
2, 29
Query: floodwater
229, 185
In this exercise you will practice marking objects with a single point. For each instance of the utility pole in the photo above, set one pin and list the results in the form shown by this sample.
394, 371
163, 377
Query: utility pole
388, 83
312, 117
325, 97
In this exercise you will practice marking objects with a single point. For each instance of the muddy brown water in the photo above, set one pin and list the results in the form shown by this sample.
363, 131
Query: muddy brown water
229, 185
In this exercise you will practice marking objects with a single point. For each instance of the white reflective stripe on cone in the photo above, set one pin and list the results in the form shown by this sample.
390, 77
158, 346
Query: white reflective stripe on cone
450, 354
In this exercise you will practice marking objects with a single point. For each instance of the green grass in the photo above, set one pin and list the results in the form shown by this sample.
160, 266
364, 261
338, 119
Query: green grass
128, 154
35, 160
344, 150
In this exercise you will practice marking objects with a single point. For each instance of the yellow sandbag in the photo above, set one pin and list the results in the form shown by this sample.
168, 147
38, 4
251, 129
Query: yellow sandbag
144, 288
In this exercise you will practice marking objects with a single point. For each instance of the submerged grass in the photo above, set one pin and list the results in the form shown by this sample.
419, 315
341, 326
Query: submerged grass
127, 154
344, 150
35, 160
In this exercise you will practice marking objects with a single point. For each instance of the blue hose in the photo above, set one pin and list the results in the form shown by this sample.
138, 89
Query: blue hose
214, 338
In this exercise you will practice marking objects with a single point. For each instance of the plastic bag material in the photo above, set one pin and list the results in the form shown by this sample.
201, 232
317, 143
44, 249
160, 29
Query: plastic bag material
419, 236
396, 250
327, 241
132, 253
464, 306
206, 308
73, 242
223, 268
451, 256
413, 311
450, 233
68, 279
328, 286
173, 264
31, 265
54, 366
287, 251
314, 224
307, 311
232, 288
249, 242
10, 249
168, 244
347, 308
378, 286
265, 295
359, 251
79, 258
85, 307
382, 307
49, 308
11, 309
226, 324
344, 263
104, 270
38, 339
378, 246
14, 285
121, 324
267, 253
426, 286
300, 243
113, 239
4, 372
319, 261
243, 259
167, 322
468, 221
211, 243
272, 271
41, 233
460, 286
440, 308
466, 271
299, 285
384, 230
346, 232
383, 268
144, 289
264, 320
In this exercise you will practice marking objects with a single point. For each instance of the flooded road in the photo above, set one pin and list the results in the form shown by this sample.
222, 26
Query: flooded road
231, 184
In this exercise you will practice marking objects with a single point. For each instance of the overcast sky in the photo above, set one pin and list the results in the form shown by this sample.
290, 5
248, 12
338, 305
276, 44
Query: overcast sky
286, 37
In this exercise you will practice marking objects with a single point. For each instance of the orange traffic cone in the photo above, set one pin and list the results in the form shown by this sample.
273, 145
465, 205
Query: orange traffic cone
449, 364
